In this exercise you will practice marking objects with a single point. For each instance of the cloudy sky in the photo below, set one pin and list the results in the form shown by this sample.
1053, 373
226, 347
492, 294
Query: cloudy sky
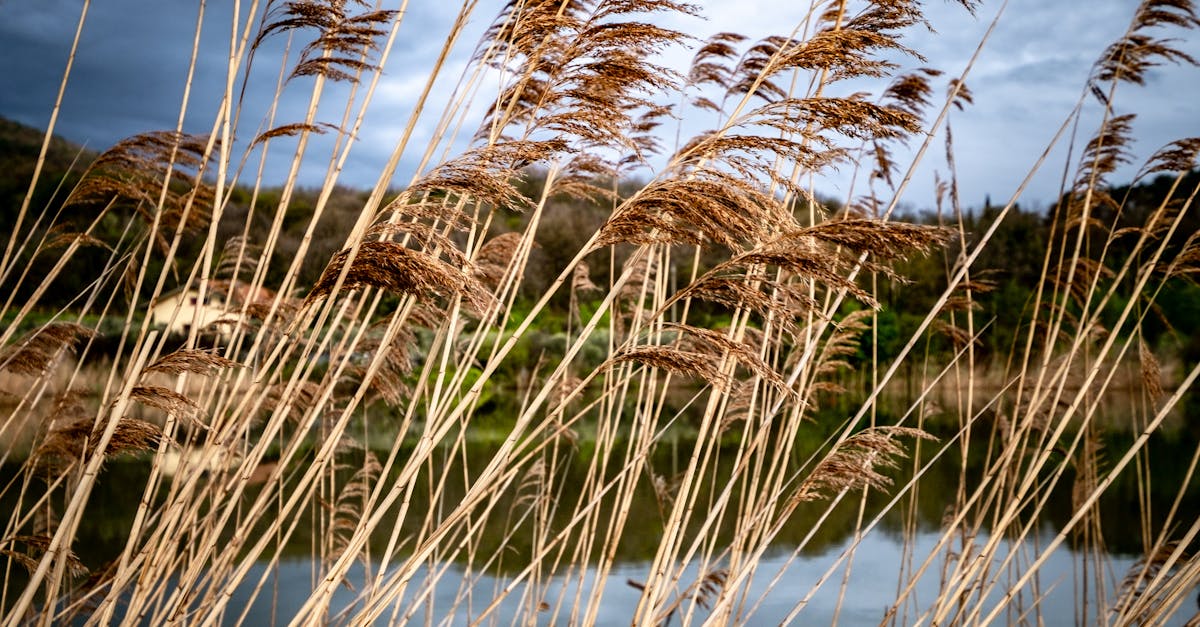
133, 56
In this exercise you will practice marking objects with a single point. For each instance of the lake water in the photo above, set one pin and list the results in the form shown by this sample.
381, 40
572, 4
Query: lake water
872, 584
875, 570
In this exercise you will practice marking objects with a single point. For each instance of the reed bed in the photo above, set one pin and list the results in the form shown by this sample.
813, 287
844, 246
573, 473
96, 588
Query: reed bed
255, 435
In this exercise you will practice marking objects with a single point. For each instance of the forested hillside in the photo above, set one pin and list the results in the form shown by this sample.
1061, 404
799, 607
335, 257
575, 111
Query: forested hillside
1010, 265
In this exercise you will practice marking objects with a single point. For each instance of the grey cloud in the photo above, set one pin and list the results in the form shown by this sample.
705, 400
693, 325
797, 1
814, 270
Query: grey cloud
133, 57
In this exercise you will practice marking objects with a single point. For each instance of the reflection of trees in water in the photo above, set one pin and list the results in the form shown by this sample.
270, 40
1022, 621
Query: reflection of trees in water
110, 515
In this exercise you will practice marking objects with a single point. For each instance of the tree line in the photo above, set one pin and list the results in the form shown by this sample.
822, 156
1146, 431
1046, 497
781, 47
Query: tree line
1006, 276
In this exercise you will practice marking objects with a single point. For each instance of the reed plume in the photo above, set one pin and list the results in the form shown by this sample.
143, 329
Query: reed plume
33, 354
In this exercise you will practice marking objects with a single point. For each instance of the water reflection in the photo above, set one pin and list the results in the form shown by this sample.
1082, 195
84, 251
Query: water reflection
875, 568
872, 584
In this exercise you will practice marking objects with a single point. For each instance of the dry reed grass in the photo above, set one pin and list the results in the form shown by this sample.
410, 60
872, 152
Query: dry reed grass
279, 403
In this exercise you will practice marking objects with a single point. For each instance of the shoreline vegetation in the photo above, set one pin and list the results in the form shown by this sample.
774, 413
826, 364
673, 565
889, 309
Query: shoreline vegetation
493, 421
319, 366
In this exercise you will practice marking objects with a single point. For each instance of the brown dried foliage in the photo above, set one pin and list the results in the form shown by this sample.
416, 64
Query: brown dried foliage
134, 171
853, 49
963, 298
717, 344
850, 117
392, 267
425, 237
1134, 586
238, 256
494, 257
64, 235
957, 335
711, 64
842, 343
704, 592
1180, 155
36, 351
888, 241
199, 361
711, 207
584, 175
852, 465
1104, 153
1186, 264
1151, 373
35, 547
581, 279
581, 69
688, 363
1086, 273
485, 174
1131, 57
167, 400
911, 92
388, 382
405, 209
260, 309
824, 253
780, 301
69, 442
344, 42
303, 396
291, 130
347, 510
69, 406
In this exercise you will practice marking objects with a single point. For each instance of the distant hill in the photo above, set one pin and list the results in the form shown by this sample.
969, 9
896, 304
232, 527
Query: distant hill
19, 148
1013, 259
65, 163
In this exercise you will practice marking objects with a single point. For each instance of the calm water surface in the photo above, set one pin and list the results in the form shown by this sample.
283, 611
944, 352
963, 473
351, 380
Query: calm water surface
875, 570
